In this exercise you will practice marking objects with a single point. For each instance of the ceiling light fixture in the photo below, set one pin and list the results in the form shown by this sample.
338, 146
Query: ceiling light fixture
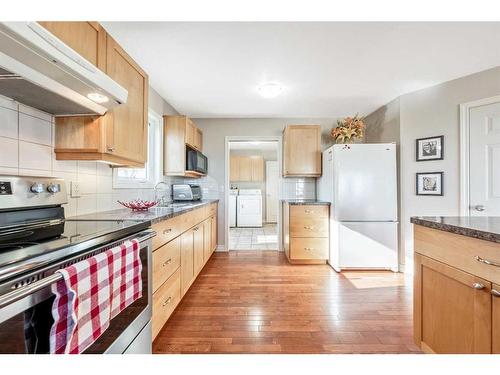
98, 98
270, 90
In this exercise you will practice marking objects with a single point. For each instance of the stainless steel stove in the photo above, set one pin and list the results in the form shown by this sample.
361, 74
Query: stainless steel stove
35, 240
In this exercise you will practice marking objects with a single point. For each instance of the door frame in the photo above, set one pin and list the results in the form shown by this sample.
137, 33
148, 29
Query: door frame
465, 150
241, 138
277, 197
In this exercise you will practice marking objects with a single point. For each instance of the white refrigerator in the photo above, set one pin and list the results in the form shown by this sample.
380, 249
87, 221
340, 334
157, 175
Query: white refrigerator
360, 182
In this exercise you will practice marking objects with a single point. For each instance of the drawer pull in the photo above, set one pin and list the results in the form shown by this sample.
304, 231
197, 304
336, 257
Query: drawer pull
308, 227
196, 229
167, 262
167, 231
308, 211
495, 293
308, 248
486, 261
478, 286
169, 299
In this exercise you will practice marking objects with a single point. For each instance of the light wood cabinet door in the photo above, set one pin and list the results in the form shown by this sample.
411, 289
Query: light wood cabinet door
302, 151
190, 133
87, 38
127, 124
187, 260
207, 239
198, 139
166, 260
257, 168
234, 168
174, 145
214, 232
198, 248
496, 319
245, 166
452, 309
165, 299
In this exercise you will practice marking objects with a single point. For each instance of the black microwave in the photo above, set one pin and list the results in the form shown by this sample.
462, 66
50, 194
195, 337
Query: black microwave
196, 161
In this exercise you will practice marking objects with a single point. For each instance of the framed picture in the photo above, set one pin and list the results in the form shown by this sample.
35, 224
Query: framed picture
431, 148
430, 183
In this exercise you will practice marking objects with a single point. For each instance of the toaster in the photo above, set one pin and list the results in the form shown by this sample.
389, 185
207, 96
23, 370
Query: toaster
186, 192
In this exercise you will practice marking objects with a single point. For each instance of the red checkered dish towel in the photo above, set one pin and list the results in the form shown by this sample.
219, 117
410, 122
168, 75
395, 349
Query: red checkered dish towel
91, 293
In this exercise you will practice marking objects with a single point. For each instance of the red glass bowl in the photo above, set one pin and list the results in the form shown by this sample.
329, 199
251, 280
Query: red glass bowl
138, 204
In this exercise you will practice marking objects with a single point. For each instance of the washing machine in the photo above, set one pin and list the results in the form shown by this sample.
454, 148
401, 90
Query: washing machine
233, 194
249, 208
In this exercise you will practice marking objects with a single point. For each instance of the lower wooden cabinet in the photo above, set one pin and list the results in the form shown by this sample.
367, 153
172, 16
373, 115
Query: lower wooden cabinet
181, 248
495, 337
452, 308
165, 299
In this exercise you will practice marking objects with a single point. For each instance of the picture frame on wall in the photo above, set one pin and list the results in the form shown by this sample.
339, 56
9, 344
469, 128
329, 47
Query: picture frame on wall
430, 148
429, 183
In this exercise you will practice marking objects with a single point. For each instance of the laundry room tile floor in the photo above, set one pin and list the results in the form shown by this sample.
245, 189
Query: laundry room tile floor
265, 238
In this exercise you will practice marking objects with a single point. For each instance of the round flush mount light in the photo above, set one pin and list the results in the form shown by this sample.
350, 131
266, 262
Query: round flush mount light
270, 90
98, 98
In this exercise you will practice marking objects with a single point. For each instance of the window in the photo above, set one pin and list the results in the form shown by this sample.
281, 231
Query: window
147, 177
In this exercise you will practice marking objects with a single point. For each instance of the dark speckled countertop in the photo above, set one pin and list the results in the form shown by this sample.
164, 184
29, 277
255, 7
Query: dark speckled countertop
482, 227
153, 215
300, 202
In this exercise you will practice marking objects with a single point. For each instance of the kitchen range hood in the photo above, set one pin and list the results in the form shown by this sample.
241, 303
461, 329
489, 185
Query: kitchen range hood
39, 70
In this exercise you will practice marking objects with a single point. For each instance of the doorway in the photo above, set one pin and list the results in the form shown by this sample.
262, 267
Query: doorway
252, 193
480, 157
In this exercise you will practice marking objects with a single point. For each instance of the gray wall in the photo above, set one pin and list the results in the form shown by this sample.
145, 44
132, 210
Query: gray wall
160, 105
216, 129
430, 112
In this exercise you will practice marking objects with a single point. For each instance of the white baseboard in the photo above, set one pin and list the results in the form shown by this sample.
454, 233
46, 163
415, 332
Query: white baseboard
221, 248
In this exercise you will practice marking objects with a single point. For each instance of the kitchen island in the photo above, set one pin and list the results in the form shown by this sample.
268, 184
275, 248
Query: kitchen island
457, 284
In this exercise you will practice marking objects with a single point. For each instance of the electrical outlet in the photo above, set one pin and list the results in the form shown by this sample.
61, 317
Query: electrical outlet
75, 189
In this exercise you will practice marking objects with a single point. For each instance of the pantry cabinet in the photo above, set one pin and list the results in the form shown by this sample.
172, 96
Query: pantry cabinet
302, 151
246, 168
120, 136
87, 38
456, 296
179, 133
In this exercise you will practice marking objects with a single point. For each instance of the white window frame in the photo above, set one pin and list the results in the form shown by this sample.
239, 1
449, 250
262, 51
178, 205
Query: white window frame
153, 163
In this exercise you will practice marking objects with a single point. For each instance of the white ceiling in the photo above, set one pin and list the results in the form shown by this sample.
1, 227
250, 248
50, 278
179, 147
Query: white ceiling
329, 69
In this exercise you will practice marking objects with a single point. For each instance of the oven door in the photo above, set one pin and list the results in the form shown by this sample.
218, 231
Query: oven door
26, 312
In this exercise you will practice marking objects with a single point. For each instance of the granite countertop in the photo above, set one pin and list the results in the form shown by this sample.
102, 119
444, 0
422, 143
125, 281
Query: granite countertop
153, 215
300, 202
480, 227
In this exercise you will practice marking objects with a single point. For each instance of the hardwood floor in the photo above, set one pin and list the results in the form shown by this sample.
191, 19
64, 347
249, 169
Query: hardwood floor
255, 302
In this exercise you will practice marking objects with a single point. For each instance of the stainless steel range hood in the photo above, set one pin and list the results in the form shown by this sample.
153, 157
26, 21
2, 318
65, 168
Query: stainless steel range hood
39, 70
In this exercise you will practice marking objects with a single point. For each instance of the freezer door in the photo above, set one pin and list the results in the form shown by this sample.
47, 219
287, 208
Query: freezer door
365, 182
325, 182
368, 245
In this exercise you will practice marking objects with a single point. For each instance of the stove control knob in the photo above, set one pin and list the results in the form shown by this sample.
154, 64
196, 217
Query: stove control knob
37, 188
53, 188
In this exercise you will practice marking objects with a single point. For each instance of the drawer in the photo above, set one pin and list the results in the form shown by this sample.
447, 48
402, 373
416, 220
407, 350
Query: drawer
212, 209
166, 260
165, 299
459, 251
308, 227
167, 230
309, 211
309, 248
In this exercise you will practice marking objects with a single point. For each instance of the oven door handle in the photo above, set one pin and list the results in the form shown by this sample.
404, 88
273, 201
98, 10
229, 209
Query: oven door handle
25, 291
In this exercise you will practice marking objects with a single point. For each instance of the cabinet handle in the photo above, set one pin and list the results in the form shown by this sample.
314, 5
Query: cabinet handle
495, 293
111, 149
478, 286
308, 248
166, 231
169, 299
486, 261
308, 227
167, 262
196, 229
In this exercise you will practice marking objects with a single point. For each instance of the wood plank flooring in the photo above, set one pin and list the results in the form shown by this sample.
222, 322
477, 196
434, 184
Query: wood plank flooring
255, 302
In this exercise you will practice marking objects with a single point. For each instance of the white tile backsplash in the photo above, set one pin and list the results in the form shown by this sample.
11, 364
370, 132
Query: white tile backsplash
33, 129
88, 183
9, 122
35, 156
9, 152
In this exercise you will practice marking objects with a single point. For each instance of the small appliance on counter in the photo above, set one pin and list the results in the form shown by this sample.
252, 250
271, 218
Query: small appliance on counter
186, 192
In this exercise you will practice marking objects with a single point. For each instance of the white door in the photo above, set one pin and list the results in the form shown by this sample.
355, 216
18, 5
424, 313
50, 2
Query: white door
485, 160
272, 185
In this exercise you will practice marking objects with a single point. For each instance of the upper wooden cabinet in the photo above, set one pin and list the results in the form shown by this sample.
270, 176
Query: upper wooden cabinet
120, 136
302, 151
85, 37
179, 132
246, 168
